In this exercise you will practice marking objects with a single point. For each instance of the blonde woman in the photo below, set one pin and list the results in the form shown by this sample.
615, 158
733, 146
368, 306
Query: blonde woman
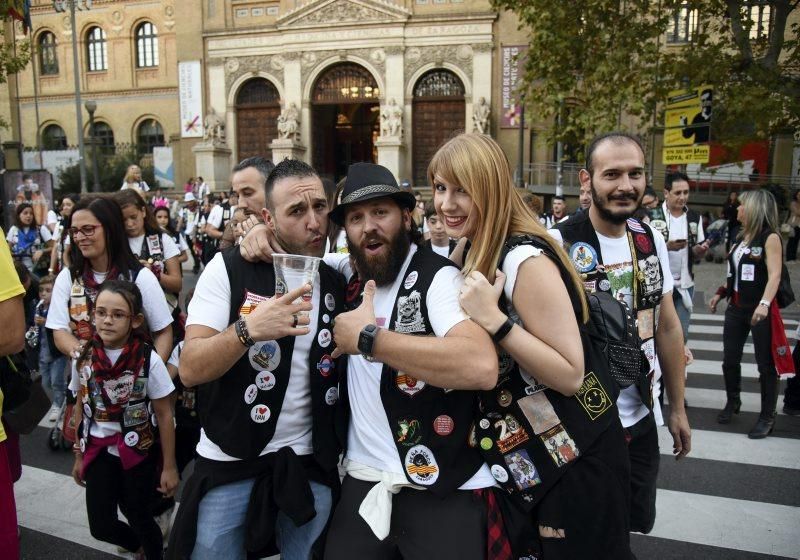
133, 180
565, 467
754, 274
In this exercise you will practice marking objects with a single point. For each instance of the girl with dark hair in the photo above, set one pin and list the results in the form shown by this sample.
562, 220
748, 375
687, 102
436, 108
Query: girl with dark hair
156, 251
125, 390
100, 251
27, 240
60, 256
165, 222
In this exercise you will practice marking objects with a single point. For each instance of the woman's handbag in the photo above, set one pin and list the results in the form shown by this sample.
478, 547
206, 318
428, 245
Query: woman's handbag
24, 399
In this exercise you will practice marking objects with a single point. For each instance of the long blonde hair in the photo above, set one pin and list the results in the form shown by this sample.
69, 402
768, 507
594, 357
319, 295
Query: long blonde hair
760, 211
478, 164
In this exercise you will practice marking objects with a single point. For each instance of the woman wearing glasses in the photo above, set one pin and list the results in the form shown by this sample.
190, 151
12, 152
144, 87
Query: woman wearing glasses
100, 251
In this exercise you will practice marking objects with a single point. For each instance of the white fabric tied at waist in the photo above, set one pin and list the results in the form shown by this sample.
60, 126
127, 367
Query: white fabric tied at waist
376, 508
686, 298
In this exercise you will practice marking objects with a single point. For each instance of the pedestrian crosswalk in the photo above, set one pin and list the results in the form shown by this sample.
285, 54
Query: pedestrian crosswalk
732, 498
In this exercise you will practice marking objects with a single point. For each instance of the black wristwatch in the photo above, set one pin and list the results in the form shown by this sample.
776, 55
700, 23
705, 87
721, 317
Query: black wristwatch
366, 341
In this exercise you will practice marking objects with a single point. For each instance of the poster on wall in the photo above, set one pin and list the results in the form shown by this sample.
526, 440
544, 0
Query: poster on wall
32, 187
191, 99
513, 65
53, 161
687, 126
163, 167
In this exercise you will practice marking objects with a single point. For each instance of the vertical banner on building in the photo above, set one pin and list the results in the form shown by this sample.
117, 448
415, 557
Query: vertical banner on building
31, 187
513, 64
191, 99
687, 126
163, 166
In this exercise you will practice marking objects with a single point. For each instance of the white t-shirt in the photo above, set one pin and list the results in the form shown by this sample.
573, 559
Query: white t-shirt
159, 385
679, 260
141, 184
170, 249
13, 234
52, 217
444, 251
156, 310
369, 438
182, 245
175, 357
215, 216
210, 307
737, 256
617, 259
189, 221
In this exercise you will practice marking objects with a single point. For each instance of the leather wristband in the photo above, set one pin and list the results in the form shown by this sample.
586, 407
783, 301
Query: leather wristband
240, 326
503, 331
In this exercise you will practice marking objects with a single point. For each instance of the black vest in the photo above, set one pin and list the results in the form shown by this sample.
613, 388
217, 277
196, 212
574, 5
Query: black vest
583, 248
139, 431
240, 410
528, 433
660, 222
430, 425
755, 260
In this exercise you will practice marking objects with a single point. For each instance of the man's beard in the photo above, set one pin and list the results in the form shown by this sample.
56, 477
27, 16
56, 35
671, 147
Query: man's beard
619, 217
383, 269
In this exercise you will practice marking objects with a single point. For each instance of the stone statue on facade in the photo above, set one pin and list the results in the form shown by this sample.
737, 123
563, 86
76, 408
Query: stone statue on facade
480, 116
392, 120
289, 123
213, 128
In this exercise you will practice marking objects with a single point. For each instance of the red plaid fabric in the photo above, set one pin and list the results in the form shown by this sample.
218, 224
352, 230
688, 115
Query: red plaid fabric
497, 545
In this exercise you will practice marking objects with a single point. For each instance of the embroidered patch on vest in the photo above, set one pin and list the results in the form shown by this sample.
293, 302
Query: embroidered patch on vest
643, 242
593, 398
409, 314
539, 412
511, 434
408, 432
250, 302
522, 469
560, 446
634, 225
651, 275
421, 465
644, 323
409, 385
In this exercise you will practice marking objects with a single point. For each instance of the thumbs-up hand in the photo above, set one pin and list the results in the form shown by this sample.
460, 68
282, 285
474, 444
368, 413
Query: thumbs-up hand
478, 299
347, 326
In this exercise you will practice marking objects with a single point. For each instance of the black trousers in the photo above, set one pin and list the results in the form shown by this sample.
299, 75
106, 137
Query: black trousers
423, 526
791, 397
791, 245
734, 334
108, 486
644, 459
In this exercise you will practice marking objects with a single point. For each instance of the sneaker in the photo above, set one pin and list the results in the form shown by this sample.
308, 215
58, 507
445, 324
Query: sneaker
164, 521
54, 412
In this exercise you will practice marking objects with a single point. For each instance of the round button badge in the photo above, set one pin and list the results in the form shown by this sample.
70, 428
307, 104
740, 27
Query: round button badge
259, 413
264, 381
251, 393
499, 473
332, 395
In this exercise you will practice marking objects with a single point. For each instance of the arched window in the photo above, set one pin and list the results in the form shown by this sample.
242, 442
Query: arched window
96, 50
105, 137
146, 45
257, 110
54, 138
438, 113
149, 135
48, 62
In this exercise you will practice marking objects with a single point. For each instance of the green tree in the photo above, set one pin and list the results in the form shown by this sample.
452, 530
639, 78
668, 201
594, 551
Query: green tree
111, 172
11, 60
606, 59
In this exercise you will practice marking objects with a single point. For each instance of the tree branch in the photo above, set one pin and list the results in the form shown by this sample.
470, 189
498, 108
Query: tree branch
781, 13
740, 36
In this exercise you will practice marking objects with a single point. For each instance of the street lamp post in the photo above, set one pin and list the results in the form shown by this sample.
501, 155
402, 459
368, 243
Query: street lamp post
72, 5
91, 107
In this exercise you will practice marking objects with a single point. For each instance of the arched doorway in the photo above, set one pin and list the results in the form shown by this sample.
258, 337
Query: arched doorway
438, 113
344, 119
257, 111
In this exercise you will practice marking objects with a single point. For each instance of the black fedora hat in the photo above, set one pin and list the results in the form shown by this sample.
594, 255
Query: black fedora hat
366, 181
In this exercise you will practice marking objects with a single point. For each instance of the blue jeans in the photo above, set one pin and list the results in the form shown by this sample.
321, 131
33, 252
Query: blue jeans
684, 314
54, 378
221, 530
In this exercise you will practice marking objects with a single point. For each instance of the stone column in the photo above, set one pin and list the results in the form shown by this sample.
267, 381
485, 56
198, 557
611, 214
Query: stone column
391, 154
392, 150
293, 93
213, 163
481, 81
283, 148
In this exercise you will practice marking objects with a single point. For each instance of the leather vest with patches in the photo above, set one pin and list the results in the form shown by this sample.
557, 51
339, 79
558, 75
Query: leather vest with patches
153, 252
752, 265
239, 411
659, 221
430, 425
138, 423
81, 305
528, 433
583, 248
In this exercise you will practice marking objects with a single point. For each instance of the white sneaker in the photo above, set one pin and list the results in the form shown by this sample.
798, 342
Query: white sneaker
164, 520
54, 412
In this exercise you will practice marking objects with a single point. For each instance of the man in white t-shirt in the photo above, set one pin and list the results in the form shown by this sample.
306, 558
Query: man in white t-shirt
411, 475
616, 174
250, 357
685, 242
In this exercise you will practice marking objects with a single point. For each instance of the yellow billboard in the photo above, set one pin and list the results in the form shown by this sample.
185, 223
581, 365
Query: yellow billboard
686, 154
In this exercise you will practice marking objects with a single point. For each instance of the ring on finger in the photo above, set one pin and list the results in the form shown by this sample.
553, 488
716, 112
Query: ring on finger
294, 320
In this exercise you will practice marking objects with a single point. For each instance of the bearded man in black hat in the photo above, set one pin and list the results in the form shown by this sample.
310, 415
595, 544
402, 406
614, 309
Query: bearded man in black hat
415, 360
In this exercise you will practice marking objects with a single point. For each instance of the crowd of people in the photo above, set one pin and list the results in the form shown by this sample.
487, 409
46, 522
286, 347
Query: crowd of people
434, 390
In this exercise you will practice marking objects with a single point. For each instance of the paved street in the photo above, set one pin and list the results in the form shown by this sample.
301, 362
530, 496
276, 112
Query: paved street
732, 499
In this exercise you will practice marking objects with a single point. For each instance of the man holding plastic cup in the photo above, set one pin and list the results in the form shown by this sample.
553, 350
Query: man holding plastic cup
266, 388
